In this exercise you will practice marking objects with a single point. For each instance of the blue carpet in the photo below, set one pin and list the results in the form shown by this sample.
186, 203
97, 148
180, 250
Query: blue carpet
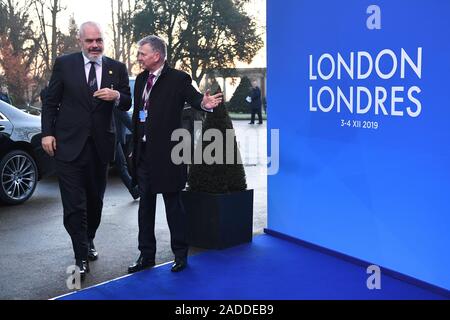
267, 269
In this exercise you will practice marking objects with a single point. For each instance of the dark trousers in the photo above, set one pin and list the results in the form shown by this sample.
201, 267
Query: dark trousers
176, 219
258, 112
122, 166
82, 183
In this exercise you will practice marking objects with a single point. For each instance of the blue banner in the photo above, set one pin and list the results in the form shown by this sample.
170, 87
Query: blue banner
361, 95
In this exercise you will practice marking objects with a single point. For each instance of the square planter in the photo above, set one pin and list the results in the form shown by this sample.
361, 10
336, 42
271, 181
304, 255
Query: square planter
218, 221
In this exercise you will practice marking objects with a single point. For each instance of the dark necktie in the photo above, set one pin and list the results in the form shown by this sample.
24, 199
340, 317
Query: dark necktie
149, 86
92, 80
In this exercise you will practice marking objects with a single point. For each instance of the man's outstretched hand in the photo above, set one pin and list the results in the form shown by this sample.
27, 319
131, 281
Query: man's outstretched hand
211, 101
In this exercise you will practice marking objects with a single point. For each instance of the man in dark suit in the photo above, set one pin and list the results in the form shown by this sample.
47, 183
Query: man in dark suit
159, 96
78, 130
256, 103
122, 121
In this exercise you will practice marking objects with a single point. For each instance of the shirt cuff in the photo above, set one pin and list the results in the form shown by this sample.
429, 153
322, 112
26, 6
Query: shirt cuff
204, 109
117, 101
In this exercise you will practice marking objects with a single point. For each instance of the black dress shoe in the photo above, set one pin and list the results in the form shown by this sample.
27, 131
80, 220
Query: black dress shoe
178, 265
92, 253
141, 264
84, 267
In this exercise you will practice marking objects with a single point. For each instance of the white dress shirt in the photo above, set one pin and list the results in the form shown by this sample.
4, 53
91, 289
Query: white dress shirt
157, 73
98, 69
98, 74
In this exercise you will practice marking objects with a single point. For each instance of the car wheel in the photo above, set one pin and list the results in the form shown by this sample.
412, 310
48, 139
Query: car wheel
18, 177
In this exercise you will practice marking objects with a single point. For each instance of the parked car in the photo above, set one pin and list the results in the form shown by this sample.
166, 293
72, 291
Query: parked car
23, 162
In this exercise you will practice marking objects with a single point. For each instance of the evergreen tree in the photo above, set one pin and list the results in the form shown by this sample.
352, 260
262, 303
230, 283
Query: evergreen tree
218, 178
237, 102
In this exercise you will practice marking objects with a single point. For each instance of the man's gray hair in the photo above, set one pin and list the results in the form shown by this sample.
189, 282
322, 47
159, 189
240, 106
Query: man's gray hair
91, 24
156, 43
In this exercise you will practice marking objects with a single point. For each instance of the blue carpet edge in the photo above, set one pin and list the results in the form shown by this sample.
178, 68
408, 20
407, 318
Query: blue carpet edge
394, 274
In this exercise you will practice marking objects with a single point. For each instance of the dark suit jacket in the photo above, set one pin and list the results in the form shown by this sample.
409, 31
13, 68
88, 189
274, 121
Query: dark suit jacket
71, 114
169, 94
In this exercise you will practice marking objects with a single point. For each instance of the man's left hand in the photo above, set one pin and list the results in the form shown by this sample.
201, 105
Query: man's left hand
106, 94
211, 101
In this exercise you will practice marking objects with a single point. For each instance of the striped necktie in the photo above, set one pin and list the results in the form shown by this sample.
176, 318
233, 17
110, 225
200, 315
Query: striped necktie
147, 90
92, 80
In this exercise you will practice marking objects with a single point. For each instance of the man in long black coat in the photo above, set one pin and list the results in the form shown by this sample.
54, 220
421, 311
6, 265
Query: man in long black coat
159, 96
78, 130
